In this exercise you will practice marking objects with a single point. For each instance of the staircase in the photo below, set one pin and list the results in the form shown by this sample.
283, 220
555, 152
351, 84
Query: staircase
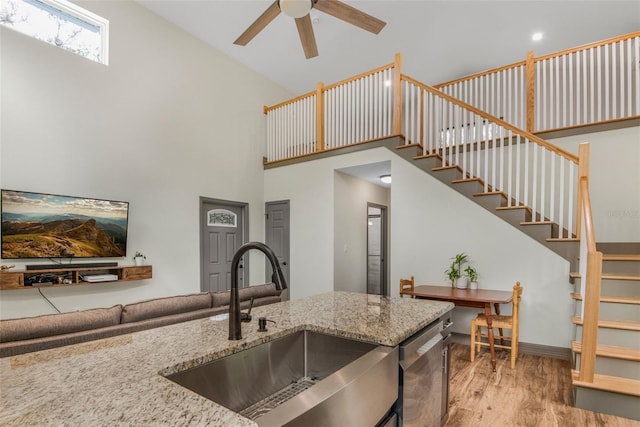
469, 134
616, 386
473, 188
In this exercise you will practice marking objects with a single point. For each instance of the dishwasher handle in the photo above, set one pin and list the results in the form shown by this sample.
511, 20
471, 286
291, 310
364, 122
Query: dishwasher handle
422, 343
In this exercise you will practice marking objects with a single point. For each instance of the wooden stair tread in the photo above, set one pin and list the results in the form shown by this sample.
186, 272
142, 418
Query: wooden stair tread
562, 239
621, 257
490, 193
463, 180
427, 156
410, 145
442, 168
506, 208
575, 275
537, 223
620, 277
611, 351
607, 298
609, 383
612, 324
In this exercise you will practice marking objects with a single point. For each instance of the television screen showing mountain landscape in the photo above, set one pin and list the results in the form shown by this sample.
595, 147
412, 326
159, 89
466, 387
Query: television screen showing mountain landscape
38, 225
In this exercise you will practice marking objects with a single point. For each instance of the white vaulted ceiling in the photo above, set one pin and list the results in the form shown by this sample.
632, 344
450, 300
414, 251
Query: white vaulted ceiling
439, 40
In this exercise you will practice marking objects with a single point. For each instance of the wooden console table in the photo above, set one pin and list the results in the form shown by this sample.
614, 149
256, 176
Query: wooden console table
477, 298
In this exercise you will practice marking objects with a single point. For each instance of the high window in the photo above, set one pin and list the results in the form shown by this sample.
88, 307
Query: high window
59, 23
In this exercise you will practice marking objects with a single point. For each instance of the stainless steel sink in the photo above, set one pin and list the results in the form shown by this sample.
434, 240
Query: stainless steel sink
303, 379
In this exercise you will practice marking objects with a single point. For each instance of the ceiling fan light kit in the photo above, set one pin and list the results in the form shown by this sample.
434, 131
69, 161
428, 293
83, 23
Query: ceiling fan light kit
295, 8
299, 9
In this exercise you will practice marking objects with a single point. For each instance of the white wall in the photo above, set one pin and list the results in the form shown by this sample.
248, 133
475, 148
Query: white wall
310, 188
169, 120
430, 224
351, 196
614, 181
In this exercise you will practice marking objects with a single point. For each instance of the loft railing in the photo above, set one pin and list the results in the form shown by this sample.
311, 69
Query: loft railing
530, 171
594, 83
384, 103
356, 110
591, 273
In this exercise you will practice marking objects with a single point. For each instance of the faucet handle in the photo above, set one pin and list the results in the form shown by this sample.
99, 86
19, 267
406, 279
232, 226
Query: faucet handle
246, 317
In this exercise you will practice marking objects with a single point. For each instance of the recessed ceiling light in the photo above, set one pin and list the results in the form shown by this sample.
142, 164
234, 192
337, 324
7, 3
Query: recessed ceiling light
536, 37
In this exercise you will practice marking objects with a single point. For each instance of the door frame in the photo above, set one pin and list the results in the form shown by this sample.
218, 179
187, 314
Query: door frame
384, 265
244, 207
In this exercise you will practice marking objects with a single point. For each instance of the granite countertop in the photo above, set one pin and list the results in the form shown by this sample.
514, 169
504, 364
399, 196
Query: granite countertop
118, 381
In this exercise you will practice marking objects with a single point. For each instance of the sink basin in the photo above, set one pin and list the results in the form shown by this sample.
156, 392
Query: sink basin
305, 378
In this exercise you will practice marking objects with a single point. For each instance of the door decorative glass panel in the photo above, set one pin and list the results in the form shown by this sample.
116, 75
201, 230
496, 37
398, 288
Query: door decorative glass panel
221, 218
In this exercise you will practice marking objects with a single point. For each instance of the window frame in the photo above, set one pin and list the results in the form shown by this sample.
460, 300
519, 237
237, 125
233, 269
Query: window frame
83, 15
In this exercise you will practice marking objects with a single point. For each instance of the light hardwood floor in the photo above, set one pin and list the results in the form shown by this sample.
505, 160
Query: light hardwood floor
536, 393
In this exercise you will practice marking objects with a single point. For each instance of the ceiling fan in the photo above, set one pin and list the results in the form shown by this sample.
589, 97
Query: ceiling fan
299, 9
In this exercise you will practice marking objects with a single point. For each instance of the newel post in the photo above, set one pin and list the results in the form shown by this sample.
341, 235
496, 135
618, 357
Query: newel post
583, 171
320, 117
397, 95
530, 73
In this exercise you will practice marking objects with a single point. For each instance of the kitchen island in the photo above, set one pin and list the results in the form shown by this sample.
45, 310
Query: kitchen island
120, 380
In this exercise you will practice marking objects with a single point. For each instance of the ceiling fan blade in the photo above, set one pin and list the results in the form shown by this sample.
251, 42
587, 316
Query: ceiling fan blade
259, 24
307, 38
351, 15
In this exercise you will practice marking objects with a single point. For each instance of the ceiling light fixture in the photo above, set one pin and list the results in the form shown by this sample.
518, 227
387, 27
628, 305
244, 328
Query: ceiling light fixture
386, 179
536, 37
295, 8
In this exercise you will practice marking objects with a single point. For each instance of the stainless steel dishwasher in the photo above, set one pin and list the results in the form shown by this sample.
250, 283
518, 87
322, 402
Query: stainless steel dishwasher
424, 376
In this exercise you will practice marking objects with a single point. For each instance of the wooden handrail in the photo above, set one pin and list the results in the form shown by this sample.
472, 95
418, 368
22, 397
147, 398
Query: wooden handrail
326, 88
530, 64
480, 74
359, 76
533, 138
593, 280
589, 46
593, 274
540, 58
289, 101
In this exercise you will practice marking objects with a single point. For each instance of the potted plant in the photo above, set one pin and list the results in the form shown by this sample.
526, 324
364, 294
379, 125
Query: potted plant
472, 274
455, 271
139, 258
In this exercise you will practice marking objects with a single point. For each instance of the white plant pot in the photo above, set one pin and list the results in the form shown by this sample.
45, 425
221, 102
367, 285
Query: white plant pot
473, 285
462, 282
138, 261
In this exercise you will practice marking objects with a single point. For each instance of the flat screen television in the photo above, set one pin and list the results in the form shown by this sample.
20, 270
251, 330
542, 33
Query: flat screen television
36, 225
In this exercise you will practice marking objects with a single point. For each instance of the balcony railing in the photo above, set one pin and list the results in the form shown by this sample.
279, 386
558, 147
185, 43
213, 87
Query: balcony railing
590, 84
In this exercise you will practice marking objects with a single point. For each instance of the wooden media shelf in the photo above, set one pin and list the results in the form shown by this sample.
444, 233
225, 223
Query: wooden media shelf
58, 277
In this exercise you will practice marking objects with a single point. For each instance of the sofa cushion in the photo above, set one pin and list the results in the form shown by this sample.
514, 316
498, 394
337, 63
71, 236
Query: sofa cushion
245, 294
58, 324
165, 306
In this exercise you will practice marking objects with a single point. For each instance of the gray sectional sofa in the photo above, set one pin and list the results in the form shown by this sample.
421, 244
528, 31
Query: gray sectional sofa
28, 334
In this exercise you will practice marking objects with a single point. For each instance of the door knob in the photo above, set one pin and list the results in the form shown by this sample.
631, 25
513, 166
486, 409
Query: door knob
284, 262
